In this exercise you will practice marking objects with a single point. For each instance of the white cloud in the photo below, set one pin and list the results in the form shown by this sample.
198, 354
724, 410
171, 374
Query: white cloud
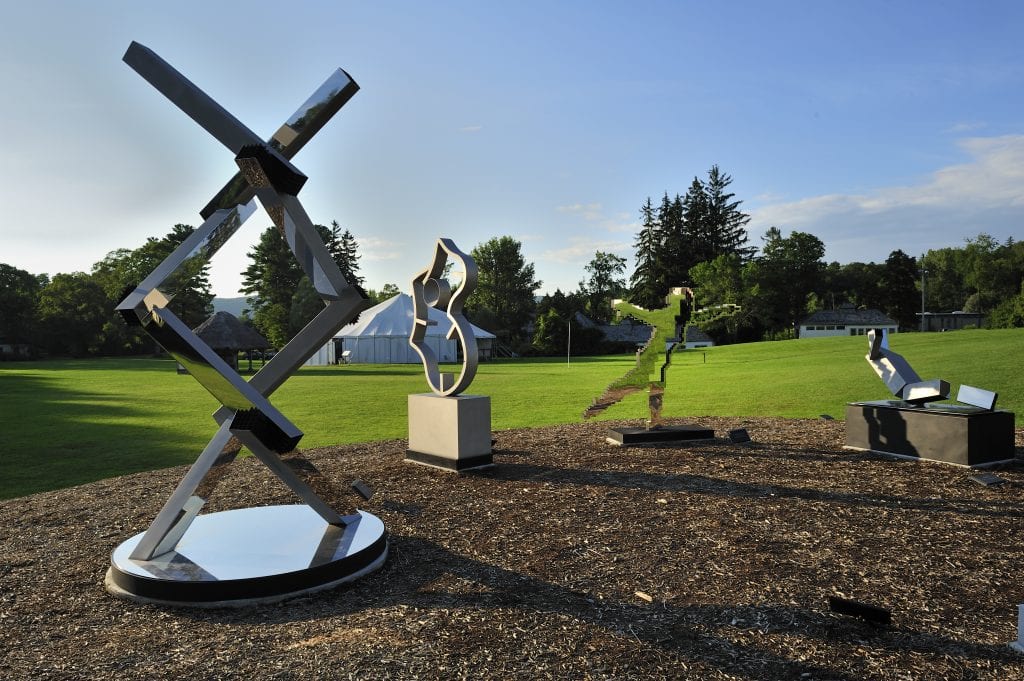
588, 211
374, 249
966, 126
594, 213
581, 249
471, 128
955, 202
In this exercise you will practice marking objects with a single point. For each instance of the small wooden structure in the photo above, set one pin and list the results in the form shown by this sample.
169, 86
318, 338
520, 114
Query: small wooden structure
227, 337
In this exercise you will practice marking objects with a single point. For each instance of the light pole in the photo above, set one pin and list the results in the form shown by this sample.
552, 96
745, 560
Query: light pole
568, 343
923, 272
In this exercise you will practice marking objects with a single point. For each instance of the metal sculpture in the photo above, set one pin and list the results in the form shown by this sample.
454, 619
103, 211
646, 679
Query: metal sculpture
918, 425
897, 374
665, 323
431, 290
142, 566
905, 384
447, 429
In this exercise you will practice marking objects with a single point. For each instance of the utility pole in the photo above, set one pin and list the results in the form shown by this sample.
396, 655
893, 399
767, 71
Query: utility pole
923, 272
568, 343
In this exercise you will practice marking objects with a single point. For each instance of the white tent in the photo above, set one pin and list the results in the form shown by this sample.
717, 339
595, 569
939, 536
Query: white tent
381, 336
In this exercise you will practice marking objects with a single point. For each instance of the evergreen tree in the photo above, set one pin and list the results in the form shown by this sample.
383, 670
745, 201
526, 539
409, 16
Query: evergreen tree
685, 231
671, 257
282, 300
644, 281
696, 230
270, 281
343, 247
726, 223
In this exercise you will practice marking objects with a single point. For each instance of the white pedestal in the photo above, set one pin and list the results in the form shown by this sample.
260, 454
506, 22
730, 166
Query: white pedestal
453, 433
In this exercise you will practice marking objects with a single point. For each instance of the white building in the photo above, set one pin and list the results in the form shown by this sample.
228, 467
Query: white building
846, 321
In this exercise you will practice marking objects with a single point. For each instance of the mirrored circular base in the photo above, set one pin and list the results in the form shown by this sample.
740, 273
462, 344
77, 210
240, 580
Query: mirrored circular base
251, 555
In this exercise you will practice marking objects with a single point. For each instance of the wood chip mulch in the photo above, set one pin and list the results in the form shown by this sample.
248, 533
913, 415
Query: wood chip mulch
572, 558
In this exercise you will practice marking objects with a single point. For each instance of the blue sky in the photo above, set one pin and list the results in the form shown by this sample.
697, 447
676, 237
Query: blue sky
872, 125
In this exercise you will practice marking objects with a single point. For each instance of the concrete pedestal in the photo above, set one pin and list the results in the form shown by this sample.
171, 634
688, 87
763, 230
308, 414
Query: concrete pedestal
956, 434
453, 433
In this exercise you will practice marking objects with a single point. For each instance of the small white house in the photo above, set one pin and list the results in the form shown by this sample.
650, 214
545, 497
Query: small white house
846, 321
381, 336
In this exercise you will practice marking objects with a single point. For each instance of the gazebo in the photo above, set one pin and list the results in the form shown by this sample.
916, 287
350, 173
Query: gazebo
228, 336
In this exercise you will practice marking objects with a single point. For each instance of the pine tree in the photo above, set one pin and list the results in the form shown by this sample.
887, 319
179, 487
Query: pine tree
343, 247
726, 224
644, 282
270, 281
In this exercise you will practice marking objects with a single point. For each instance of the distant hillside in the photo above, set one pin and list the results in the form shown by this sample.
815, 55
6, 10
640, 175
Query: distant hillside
232, 305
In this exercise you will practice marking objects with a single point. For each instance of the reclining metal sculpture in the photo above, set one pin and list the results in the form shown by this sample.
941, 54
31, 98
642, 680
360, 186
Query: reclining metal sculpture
905, 384
246, 416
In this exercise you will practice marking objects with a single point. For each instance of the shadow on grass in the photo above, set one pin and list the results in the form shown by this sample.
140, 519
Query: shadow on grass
59, 436
417, 570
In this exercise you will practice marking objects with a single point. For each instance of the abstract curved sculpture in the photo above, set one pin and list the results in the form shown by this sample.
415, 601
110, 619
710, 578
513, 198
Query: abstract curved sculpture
326, 540
447, 429
431, 289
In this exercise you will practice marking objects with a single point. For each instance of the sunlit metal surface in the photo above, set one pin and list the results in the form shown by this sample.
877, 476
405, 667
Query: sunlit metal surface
904, 382
260, 554
431, 289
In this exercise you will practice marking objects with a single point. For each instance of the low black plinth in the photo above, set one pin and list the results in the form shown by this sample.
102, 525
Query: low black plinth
249, 556
951, 433
464, 463
660, 435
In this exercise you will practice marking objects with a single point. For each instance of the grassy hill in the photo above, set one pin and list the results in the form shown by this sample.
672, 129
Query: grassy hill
70, 422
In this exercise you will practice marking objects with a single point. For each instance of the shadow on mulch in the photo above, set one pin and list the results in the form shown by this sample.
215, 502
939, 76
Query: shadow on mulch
705, 485
692, 631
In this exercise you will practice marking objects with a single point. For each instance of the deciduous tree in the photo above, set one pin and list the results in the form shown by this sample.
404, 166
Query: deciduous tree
504, 292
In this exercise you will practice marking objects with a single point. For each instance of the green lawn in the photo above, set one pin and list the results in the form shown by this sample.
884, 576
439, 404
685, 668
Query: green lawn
71, 422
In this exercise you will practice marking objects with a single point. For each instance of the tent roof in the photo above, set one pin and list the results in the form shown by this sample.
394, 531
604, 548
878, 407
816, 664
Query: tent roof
223, 331
394, 317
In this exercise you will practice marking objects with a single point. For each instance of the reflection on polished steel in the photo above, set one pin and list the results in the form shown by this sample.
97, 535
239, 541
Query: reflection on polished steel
246, 417
259, 554
905, 384
431, 289
897, 374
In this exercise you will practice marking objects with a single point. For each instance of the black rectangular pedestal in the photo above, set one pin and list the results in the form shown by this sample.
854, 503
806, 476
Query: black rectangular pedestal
662, 434
967, 436
451, 464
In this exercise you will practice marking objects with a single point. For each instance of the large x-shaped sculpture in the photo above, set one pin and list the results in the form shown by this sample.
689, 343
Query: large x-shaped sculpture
246, 416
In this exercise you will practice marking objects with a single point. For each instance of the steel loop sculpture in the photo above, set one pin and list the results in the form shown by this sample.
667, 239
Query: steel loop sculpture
431, 290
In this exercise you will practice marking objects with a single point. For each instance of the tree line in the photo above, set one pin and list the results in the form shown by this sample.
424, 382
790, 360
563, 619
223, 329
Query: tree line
697, 239
73, 314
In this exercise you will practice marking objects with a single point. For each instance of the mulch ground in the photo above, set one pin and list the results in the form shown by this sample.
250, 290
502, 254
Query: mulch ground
572, 558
